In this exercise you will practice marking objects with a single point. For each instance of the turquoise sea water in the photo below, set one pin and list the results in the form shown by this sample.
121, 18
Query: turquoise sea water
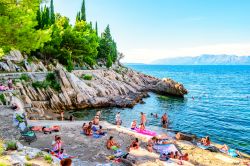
218, 103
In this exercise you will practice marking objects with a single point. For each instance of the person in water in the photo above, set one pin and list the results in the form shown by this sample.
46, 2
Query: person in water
96, 120
142, 126
57, 145
151, 143
143, 118
164, 120
89, 129
133, 125
205, 141
118, 120
156, 115
111, 144
134, 145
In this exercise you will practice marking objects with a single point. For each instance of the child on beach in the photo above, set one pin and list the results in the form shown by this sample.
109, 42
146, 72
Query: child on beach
89, 131
133, 125
57, 145
118, 120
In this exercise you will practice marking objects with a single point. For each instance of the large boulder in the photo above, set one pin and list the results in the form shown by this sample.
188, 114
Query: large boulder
14, 56
4, 66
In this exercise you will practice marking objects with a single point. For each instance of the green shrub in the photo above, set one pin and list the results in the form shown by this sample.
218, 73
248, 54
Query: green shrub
39, 154
41, 84
24, 77
1, 147
87, 77
2, 98
51, 77
27, 157
49, 82
11, 145
48, 158
28, 164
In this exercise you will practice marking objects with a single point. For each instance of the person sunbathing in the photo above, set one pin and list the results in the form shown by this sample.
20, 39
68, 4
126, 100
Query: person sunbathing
142, 126
184, 157
100, 131
134, 145
3, 88
151, 143
133, 125
89, 129
111, 144
205, 141
224, 148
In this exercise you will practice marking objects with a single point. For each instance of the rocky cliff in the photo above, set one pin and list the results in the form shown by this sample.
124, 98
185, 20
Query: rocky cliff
107, 88
116, 87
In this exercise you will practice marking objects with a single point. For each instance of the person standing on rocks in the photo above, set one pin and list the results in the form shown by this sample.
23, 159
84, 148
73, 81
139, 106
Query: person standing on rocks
143, 118
62, 115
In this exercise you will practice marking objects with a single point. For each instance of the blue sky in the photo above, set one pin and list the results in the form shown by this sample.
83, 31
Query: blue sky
146, 30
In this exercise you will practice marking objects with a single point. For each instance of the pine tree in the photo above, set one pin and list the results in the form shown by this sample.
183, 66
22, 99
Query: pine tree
52, 13
78, 16
83, 11
96, 28
38, 18
90, 24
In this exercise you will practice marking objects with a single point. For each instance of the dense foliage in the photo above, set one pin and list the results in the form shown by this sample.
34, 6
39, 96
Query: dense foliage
32, 27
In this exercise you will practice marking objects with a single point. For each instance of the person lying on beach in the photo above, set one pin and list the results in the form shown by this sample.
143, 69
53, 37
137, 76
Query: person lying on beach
205, 141
151, 143
57, 145
142, 126
89, 129
100, 131
96, 120
3, 88
134, 145
111, 144
229, 151
184, 157
133, 125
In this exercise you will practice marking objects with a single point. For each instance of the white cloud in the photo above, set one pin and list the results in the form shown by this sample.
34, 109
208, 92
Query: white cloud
148, 55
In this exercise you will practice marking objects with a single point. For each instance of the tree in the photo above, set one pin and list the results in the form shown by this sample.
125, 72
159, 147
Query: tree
78, 16
18, 22
96, 28
83, 11
107, 47
52, 13
38, 18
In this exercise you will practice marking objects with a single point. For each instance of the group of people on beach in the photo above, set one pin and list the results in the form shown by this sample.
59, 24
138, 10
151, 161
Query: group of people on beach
8, 87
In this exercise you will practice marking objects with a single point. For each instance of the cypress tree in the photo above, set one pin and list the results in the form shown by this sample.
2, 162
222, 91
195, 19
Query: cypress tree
96, 28
83, 11
78, 16
38, 18
52, 13
90, 24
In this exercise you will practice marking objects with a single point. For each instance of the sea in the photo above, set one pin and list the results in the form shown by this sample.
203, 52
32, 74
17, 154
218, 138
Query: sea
217, 103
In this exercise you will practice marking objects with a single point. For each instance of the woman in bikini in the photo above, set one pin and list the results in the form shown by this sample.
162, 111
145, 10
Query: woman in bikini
134, 145
133, 125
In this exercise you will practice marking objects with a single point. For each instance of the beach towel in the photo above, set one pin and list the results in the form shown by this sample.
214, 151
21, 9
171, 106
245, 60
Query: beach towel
145, 132
230, 152
165, 148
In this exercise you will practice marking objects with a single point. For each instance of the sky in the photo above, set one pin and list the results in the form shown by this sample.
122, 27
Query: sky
146, 30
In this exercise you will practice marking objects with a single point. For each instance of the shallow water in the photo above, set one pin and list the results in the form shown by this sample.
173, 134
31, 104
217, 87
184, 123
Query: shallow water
218, 103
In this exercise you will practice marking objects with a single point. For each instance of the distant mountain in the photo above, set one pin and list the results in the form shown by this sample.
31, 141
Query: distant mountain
206, 60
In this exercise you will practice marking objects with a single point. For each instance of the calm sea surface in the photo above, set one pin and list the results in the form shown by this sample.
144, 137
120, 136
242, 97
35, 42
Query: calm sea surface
218, 103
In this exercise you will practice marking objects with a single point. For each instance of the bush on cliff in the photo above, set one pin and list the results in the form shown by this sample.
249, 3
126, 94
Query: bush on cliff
11, 145
24, 77
50, 81
87, 77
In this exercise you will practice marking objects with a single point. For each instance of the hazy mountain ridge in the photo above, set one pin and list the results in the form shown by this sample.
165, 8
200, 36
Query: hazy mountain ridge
206, 59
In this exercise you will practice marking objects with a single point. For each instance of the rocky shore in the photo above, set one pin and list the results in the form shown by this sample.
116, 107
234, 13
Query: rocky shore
91, 151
